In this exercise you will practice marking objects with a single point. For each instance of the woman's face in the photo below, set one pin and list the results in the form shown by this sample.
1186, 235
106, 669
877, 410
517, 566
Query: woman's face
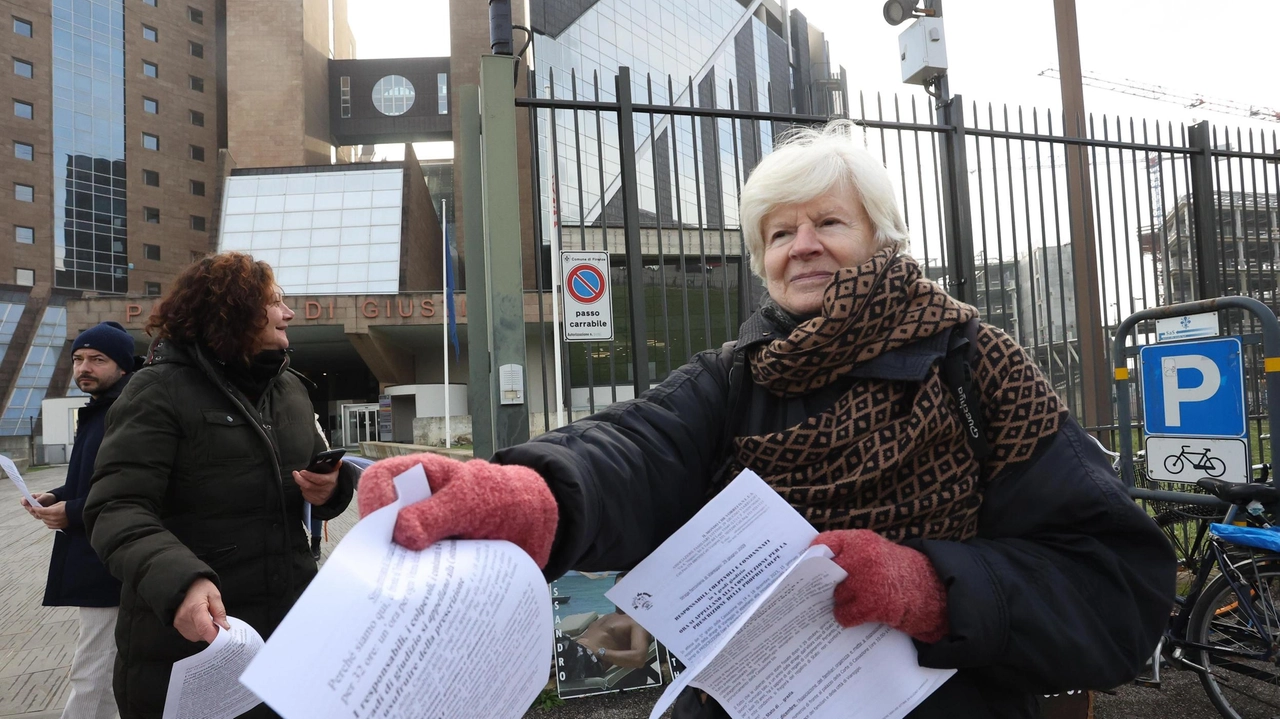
805, 243
272, 336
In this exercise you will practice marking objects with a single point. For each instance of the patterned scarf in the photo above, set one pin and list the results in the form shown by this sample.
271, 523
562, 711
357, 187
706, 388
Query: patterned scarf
891, 455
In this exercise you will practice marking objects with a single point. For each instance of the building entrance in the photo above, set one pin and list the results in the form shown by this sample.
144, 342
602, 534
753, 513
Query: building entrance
360, 422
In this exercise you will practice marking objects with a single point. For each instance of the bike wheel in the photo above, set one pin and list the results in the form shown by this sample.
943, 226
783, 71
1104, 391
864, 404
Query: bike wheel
1240, 686
1217, 467
1173, 464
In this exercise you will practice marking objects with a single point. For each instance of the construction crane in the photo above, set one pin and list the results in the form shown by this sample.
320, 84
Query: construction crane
1164, 94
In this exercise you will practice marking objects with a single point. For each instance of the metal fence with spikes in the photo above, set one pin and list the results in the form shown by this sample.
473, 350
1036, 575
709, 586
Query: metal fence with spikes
1056, 231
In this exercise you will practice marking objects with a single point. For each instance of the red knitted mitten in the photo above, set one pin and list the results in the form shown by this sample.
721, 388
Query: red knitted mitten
469, 500
887, 583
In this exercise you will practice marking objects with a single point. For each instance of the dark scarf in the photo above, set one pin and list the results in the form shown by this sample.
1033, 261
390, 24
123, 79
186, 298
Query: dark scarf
891, 456
253, 378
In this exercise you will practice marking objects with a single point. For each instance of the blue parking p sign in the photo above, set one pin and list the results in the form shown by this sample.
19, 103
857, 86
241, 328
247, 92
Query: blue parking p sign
1194, 389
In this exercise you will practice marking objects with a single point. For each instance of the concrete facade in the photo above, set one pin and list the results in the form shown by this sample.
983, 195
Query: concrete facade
37, 132
161, 81
468, 41
171, 232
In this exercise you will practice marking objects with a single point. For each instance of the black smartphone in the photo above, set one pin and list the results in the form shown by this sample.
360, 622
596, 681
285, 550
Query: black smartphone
324, 462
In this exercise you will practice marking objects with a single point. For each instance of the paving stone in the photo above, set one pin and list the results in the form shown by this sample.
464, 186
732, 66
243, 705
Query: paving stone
36, 691
38, 659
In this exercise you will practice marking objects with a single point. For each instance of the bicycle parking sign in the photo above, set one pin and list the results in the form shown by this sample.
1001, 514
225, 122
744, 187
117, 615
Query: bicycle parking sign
1194, 411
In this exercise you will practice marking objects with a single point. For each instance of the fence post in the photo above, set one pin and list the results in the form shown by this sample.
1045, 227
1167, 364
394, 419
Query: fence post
503, 267
955, 200
480, 395
631, 232
1204, 212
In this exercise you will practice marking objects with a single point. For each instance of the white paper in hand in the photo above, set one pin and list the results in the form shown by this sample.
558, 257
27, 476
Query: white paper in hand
204, 686
460, 629
11, 470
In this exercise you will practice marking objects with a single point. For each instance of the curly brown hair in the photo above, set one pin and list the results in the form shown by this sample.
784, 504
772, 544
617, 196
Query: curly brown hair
220, 302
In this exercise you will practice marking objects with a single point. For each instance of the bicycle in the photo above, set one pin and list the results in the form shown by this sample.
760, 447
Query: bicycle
1213, 466
1226, 627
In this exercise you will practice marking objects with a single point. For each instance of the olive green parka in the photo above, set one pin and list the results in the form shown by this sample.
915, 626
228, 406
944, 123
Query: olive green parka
193, 480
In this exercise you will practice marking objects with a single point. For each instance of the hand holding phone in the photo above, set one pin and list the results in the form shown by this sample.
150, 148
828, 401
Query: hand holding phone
318, 489
325, 462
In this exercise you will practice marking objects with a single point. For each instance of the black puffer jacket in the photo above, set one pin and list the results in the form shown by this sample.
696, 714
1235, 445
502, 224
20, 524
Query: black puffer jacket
193, 481
1067, 585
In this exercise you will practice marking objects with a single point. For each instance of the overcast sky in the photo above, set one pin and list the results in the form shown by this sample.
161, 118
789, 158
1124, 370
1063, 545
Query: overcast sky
1222, 49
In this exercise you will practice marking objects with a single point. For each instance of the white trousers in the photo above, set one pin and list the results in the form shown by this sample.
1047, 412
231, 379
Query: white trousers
91, 669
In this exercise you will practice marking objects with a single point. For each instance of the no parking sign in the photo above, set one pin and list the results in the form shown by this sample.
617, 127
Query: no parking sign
588, 306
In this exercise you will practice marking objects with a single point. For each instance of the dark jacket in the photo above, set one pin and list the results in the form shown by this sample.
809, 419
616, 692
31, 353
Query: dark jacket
77, 578
1068, 584
193, 481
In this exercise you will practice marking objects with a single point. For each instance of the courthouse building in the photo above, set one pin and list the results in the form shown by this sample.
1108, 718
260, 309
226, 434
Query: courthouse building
146, 133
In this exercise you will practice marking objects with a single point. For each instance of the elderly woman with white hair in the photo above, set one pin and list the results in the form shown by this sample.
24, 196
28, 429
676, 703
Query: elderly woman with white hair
969, 509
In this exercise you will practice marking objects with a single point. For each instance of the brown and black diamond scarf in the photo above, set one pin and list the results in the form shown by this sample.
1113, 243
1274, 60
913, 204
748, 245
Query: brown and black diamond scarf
891, 455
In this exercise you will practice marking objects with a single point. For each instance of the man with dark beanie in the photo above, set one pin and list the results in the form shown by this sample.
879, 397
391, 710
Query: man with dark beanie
102, 358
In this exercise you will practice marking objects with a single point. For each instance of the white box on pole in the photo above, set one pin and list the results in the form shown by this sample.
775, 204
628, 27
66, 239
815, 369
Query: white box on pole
588, 302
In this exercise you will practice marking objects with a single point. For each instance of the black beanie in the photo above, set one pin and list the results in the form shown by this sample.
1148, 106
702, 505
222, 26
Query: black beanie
110, 339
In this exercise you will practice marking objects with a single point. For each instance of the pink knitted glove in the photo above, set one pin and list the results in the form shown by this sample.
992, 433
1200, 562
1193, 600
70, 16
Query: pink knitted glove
887, 583
469, 500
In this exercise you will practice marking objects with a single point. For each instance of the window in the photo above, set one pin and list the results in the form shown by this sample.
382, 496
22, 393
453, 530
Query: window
196, 153
152, 289
152, 3
22, 68
22, 27
151, 178
149, 33
345, 86
23, 151
24, 193
26, 278
149, 106
151, 252
195, 16
24, 235
150, 142
197, 118
195, 48
197, 188
150, 69
151, 214
23, 109
197, 224
393, 95
195, 83
442, 93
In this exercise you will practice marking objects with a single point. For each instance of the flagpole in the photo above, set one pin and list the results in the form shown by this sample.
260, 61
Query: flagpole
444, 325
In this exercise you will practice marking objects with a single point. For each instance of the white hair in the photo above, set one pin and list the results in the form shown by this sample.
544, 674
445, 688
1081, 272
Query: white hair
809, 163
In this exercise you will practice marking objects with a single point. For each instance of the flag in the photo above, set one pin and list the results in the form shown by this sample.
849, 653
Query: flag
450, 281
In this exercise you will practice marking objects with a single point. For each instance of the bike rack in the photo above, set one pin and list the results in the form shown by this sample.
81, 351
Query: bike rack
1271, 367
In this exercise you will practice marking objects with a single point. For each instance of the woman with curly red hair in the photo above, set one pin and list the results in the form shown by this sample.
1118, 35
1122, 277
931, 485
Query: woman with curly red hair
198, 491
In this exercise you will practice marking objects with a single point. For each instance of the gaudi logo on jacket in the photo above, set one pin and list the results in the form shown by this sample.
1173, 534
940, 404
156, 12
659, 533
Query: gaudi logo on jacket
642, 601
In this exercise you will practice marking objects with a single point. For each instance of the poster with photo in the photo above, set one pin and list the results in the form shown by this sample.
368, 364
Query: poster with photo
599, 649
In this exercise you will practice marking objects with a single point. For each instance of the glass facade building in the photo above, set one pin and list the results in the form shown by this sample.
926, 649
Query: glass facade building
322, 232
701, 53
36, 373
720, 53
88, 146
